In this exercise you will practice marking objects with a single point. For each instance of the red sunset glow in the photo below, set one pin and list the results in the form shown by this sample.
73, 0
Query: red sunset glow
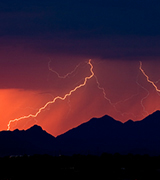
119, 89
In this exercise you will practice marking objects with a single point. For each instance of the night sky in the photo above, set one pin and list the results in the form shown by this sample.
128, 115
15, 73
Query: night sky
38, 38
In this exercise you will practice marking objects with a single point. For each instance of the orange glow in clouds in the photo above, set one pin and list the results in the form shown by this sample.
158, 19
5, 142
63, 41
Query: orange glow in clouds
116, 88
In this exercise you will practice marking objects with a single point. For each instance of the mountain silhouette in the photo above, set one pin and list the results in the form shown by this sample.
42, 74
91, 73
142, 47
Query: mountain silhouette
108, 135
94, 137
32, 141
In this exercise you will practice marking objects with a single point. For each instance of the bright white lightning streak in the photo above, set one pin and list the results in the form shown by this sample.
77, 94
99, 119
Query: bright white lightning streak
56, 98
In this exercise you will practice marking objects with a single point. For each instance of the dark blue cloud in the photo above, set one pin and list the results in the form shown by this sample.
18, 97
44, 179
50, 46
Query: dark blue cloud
103, 17
104, 28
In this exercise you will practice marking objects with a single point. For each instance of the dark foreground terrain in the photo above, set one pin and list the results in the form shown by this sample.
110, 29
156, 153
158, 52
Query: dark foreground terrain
100, 135
106, 166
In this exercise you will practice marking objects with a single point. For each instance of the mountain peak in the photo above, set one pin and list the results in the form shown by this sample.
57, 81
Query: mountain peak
35, 128
153, 118
156, 113
104, 119
129, 122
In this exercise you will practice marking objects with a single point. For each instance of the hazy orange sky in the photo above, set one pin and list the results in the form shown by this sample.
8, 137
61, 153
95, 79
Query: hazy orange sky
37, 37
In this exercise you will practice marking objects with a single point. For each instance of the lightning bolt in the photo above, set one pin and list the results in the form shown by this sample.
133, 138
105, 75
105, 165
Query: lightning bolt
104, 93
82, 85
151, 82
109, 100
145, 97
55, 99
65, 76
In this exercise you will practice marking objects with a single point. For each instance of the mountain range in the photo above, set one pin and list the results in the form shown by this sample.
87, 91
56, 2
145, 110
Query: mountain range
96, 136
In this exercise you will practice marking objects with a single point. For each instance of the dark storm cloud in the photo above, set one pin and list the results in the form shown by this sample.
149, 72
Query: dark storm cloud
102, 17
118, 47
104, 28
